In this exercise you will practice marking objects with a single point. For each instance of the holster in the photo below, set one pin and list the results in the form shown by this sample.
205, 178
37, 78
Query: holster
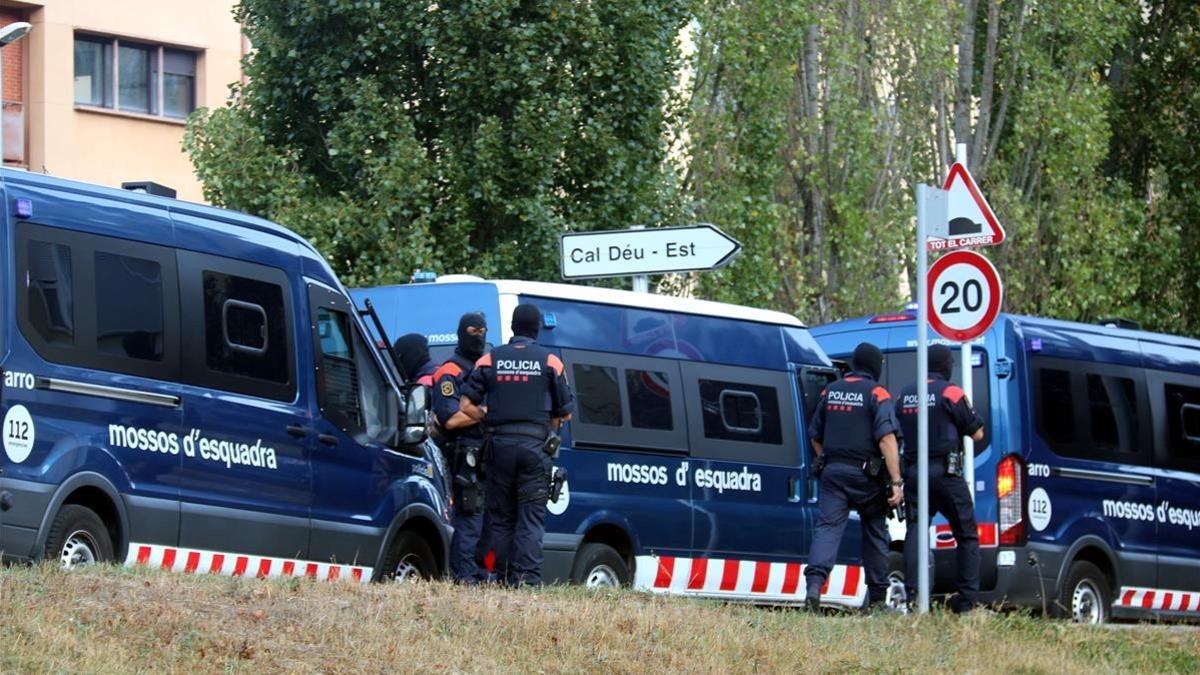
469, 495
818, 466
954, 463
874, 468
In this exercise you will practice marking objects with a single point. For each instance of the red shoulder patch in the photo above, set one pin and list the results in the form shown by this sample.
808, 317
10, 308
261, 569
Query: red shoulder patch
484, 361
425, 380
556, 364
448, 368
953, 393
853, 378
881, 394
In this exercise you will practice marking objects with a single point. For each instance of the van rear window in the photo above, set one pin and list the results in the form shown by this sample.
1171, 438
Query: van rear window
598, 394
1057, 418
1113, 404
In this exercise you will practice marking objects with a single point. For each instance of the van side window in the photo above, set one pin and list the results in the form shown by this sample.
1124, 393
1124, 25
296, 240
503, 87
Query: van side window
337, 375
598, 394
98, 302
649, 399
244, 327
50, 294
352, 391
625, 401
1183, 427
1056, 418
1113, 405
812, 382
129, 306
740, 412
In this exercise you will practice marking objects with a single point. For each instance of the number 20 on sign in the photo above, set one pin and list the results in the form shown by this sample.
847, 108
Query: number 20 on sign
964, 295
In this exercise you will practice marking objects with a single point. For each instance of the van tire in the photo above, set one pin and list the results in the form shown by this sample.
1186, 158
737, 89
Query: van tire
409, 559
78, 537
1086, 597
600, 566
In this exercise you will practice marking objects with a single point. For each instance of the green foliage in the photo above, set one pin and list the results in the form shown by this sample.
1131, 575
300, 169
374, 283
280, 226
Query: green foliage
461, 137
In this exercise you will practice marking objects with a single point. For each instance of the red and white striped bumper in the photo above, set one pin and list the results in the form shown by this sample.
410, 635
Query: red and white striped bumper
756, 581
238, 565
1158, 599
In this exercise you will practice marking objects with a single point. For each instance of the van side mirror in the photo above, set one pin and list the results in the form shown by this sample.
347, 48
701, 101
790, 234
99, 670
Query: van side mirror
416, 415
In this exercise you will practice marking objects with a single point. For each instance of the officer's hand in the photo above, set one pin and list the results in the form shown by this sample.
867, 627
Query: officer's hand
896, 496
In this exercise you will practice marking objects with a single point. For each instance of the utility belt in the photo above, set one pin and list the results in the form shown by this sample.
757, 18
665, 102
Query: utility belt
952, 462
531, 429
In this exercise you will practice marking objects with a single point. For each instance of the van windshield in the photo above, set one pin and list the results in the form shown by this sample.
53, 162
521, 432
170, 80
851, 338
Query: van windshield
900, 369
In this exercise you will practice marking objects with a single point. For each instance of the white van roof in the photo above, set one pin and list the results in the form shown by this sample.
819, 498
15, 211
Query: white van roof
611, 296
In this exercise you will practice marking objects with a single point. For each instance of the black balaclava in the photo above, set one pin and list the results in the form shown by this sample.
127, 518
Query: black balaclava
941, 361
868, 359
471, 346
527, 320
413, 352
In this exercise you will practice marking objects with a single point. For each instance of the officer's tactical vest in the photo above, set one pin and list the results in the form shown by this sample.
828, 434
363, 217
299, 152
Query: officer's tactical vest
524, 373
944, 437
850, 405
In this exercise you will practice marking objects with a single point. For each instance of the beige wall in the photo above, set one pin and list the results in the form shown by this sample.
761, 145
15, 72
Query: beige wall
108, 148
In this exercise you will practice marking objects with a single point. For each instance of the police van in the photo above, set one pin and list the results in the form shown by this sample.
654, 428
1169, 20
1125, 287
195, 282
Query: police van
686, 457
1087, 482
192, 389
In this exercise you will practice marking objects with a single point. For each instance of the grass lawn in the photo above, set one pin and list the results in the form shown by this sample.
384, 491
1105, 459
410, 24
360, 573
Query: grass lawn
114, 619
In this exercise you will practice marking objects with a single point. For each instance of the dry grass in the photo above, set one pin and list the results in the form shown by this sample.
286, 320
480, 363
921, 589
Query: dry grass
120, 620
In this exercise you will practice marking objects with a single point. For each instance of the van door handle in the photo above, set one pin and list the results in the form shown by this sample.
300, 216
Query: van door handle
327, 439
296, 431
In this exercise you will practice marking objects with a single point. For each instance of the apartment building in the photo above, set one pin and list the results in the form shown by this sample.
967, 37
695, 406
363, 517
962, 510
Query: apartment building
99, 90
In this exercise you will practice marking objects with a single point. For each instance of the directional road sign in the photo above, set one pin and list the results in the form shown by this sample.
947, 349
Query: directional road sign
661, 250
963, 295
967, 220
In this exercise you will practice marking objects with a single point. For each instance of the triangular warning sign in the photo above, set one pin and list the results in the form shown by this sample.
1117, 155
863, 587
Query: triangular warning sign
970, 221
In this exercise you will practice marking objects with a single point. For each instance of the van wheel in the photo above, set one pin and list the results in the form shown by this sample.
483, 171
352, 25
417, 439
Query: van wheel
1086, 595
78, 537
600, 566
409, 559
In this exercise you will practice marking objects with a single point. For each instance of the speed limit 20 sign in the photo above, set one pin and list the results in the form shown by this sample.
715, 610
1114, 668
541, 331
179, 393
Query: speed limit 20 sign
964, 295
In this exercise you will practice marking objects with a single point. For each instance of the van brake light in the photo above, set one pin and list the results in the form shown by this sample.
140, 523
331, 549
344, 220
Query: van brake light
1009, 491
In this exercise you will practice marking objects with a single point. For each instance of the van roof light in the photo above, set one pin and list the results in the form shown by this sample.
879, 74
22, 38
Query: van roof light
1118, 322
148, 187
423, 277
892, 318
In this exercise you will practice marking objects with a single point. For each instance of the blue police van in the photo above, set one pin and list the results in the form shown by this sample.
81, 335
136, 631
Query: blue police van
1087, 482
685, 458
192, 389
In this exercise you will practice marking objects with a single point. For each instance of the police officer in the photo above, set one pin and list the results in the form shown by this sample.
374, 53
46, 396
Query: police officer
413, 351
528, 398
462, 441
853, 433
950, 418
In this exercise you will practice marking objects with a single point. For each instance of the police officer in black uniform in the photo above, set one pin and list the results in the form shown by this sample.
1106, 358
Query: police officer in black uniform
528, 398
950, 418
462, 441
853, 433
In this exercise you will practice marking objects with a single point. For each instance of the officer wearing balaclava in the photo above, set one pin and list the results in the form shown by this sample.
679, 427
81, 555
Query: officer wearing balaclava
853, 433
461, 440
950, 418
524, 388
413, 351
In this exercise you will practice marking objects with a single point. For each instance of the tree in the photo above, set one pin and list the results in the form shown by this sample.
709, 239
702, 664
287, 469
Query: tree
460, 136
813, 120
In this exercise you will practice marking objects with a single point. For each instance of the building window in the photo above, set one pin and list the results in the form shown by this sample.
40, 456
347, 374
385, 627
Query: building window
134, 77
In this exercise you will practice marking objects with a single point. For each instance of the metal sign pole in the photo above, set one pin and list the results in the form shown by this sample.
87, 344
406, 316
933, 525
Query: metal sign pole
922, 523
967, 377
641, 282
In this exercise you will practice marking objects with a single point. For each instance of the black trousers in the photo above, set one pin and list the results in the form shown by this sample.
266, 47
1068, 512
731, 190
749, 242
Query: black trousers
845, 487
518, 487
949, 496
